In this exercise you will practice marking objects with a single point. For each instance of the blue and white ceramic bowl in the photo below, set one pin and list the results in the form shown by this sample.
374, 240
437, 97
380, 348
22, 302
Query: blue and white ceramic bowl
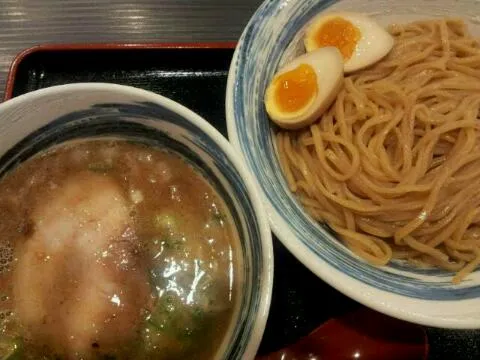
273, 36
31, 122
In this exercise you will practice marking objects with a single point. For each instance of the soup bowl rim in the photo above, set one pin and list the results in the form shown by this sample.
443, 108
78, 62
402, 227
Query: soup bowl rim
265, 290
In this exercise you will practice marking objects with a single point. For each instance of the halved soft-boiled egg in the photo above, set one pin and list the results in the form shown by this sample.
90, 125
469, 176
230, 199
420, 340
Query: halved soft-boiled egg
359, 38
302, 90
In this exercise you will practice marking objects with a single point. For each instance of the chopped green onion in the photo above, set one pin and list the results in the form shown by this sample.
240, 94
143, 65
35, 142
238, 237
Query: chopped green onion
10, 349
173, 244
157, 246
165, 221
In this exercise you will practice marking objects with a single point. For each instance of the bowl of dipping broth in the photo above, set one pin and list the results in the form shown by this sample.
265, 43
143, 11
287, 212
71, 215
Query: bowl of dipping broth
359, 121
130, 230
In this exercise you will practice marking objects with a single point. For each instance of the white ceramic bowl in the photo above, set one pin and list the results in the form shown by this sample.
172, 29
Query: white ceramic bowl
273, 36
39, 119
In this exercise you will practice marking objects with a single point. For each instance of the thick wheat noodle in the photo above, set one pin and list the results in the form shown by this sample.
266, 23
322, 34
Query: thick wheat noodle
394, 165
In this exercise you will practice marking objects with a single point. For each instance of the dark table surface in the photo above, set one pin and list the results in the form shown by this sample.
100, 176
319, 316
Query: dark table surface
24, 23
301, 301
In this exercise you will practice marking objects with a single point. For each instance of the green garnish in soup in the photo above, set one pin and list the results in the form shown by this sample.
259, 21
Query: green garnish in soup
113, 250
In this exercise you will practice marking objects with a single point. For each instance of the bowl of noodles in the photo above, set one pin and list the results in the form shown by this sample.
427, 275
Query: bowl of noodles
376, 190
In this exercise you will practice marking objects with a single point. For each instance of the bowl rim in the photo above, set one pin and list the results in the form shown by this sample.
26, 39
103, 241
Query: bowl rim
398, 306
265, 291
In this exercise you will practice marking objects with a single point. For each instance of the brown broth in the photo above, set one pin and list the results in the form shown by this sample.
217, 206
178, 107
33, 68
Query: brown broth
114, 249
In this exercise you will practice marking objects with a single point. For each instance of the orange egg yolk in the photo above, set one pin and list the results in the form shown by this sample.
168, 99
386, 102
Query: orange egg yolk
340, 33
296, 88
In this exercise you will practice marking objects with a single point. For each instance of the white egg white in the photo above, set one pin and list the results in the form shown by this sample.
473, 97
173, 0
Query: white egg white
327, 63
374, 44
